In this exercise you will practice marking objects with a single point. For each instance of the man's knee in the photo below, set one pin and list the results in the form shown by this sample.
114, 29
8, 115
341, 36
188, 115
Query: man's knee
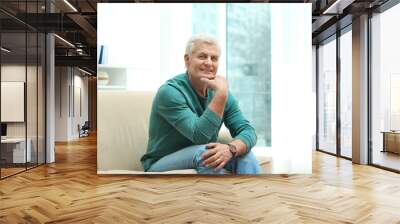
248, 164
198, 162
200, 149
248, 157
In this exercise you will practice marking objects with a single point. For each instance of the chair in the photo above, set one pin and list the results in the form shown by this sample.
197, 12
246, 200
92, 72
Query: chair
84, 130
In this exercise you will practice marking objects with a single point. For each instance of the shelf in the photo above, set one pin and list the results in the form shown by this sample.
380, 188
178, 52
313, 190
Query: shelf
117, 77
112, 87
110, 67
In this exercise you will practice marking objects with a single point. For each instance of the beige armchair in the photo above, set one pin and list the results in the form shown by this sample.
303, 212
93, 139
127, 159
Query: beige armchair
122, 133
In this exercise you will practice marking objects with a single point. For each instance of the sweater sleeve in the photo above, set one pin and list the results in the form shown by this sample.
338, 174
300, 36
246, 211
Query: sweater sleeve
172, 106
238, 125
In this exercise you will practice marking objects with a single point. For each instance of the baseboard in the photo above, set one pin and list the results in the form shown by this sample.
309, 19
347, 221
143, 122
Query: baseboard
119, 172
125, 172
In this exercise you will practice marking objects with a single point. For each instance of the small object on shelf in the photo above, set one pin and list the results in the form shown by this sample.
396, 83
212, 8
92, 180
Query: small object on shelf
102, 78
111, 77
103, 55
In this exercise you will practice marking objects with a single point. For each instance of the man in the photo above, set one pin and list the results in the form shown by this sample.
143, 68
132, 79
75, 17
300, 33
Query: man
187, 114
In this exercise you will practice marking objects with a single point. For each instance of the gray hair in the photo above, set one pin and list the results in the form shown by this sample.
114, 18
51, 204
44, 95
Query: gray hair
200, 38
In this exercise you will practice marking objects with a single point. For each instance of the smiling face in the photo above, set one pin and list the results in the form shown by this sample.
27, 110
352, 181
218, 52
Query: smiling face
202, 62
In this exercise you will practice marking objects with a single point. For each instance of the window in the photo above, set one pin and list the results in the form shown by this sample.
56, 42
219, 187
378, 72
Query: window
327, 96
346, 94
249, 64
385, 89
22, 64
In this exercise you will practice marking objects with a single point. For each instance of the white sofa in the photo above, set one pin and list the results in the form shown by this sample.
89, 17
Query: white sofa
122, 133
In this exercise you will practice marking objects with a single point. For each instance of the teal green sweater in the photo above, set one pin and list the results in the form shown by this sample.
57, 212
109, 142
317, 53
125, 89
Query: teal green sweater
180, 118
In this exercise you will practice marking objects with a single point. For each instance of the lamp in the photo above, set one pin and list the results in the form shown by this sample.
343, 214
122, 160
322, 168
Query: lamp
84, 71
5, 50
64, 40
70, 5
337, 7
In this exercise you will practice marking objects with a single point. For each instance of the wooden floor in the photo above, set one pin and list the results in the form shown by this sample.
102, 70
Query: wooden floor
69, 191
5, 172
10, 171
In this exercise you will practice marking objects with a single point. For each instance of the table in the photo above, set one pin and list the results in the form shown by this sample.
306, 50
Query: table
391, 141
15, 148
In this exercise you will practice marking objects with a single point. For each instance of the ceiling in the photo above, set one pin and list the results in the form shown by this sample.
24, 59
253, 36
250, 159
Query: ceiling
329, 16
76, 25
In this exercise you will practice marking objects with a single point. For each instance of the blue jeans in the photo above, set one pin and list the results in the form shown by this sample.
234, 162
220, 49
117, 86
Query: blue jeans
190, 158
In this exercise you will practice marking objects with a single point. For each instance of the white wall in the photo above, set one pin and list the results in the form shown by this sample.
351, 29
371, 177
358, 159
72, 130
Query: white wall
69, 85
61, 103
291, 90
17, 73
14, 73
155, 54
80, 103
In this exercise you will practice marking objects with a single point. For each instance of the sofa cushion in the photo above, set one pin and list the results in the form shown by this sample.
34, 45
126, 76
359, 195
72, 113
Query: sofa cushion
123, 119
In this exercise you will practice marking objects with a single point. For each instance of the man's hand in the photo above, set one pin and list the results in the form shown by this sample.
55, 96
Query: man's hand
216, 156
218, 84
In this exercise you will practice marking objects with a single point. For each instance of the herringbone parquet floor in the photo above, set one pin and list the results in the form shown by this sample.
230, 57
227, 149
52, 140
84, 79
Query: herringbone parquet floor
69, 191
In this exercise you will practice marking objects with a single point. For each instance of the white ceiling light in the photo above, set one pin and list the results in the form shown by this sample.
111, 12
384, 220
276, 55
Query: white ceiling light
70, 5
337, 7
5, 49
64, 40
86, 72
79, 51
